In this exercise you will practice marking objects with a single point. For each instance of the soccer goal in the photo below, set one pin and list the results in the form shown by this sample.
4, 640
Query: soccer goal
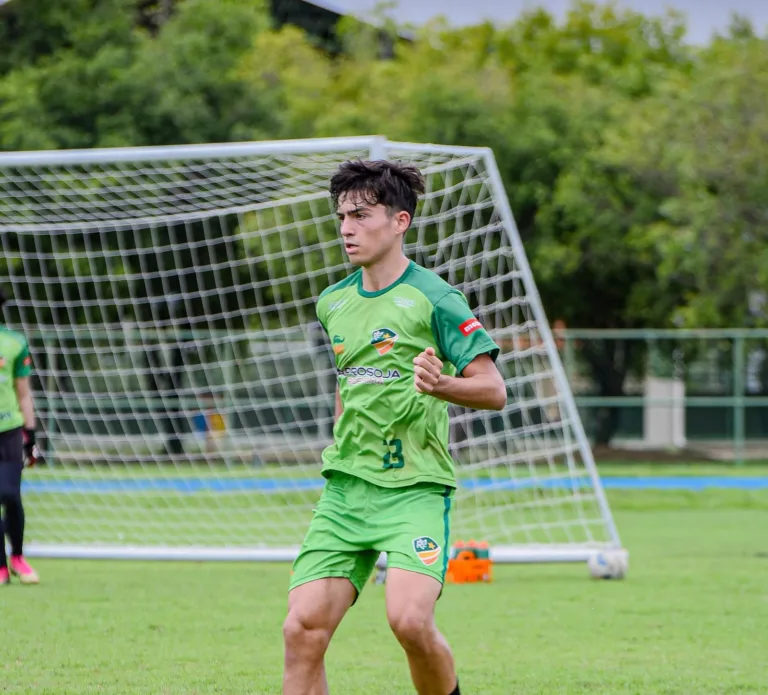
184, 388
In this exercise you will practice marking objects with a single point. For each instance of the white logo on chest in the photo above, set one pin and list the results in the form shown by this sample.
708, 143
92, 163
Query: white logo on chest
404, 303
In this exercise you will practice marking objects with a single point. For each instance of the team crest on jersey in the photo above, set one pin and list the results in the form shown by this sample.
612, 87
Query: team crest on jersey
338, 344
383, 339
427, 550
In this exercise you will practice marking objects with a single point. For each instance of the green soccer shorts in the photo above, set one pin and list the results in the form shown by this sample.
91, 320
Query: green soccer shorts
355, 520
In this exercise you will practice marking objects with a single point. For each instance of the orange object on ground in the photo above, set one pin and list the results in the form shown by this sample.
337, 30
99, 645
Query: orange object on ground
469, 562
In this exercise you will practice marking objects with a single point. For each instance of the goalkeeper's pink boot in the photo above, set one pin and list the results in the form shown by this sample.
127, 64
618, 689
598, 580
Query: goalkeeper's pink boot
5, 578
20, 567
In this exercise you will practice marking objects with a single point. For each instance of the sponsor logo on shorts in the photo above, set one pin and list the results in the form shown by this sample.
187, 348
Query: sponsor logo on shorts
470, 326
383, 339
367, 375
338, 344
426, 549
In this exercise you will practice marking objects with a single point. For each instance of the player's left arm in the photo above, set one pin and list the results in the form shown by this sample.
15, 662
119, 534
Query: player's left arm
464, 342
22, 370
24, 396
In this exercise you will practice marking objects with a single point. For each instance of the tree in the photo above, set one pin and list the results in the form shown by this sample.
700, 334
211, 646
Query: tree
109, 81
706, 138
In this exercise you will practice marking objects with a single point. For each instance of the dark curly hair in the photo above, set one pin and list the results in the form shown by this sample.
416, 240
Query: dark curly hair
392, 184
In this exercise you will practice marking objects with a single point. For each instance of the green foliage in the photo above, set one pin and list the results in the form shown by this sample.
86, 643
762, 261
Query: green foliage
182, 86
106, 81
634, 162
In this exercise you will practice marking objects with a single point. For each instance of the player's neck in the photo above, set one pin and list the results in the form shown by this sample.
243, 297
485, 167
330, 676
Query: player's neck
386, 272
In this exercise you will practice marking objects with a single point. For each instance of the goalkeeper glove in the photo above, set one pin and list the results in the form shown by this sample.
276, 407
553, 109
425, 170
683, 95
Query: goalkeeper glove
31, 451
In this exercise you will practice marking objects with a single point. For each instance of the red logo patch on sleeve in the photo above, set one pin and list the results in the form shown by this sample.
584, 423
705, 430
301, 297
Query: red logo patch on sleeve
470, 326
27, 361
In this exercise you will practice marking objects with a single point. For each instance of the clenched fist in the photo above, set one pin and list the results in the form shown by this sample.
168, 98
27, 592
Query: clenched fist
426, 371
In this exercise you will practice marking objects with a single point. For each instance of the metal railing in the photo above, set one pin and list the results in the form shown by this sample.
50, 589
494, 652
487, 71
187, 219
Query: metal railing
715, 382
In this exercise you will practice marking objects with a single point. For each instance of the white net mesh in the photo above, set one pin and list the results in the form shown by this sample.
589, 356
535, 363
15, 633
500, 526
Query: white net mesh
183, 387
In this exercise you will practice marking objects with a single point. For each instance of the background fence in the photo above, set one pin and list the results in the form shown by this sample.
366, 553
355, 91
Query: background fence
705, 391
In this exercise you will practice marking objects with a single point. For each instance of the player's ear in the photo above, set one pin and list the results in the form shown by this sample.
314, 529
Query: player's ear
403, 221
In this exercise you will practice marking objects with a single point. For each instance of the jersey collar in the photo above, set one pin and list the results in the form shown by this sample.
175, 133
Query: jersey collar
378, 293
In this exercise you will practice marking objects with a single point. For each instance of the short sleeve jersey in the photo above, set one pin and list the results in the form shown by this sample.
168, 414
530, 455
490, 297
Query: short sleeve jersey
390, 434
15, 363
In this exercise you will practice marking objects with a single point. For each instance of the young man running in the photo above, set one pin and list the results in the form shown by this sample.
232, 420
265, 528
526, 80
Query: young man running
406, 344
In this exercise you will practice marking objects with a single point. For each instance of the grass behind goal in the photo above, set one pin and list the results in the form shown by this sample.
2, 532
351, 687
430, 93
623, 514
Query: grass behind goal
231, 507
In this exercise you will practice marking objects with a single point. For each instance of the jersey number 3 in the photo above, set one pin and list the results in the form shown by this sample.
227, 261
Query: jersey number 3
394, 457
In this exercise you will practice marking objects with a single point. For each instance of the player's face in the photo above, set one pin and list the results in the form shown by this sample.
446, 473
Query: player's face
370, 233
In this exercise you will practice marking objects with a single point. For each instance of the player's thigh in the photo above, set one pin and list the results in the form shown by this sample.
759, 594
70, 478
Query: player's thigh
418, 538
11, 462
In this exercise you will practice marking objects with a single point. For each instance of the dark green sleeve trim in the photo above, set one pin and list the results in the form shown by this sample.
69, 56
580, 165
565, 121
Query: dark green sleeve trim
490, 349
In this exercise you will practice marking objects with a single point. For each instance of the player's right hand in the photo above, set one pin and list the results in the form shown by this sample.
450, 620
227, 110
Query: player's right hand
31, 451
427, 369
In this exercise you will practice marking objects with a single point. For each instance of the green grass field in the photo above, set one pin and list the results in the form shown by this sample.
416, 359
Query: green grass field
691, 618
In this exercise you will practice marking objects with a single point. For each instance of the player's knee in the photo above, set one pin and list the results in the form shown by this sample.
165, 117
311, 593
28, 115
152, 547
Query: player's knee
304, 636
413, 629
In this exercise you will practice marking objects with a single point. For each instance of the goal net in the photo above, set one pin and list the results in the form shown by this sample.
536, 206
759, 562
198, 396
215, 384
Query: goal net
183, 386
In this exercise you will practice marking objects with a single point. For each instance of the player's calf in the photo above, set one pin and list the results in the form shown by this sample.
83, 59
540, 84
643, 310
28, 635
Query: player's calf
411, 600
429, 656
315, 610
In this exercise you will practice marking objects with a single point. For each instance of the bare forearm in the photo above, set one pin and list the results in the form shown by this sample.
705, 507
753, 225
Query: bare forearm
339, 407
28, 411
480, 392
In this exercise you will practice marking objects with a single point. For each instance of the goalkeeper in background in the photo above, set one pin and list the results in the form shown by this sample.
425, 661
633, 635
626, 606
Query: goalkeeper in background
406, 344
17, 449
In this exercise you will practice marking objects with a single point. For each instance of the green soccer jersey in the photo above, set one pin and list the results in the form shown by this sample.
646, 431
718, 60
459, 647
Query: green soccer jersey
390, 434
15, 363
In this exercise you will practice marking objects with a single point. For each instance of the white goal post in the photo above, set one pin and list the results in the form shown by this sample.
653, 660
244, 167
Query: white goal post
183, 387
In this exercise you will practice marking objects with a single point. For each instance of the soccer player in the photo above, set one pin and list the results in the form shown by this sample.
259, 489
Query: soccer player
406, 344
17, 448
